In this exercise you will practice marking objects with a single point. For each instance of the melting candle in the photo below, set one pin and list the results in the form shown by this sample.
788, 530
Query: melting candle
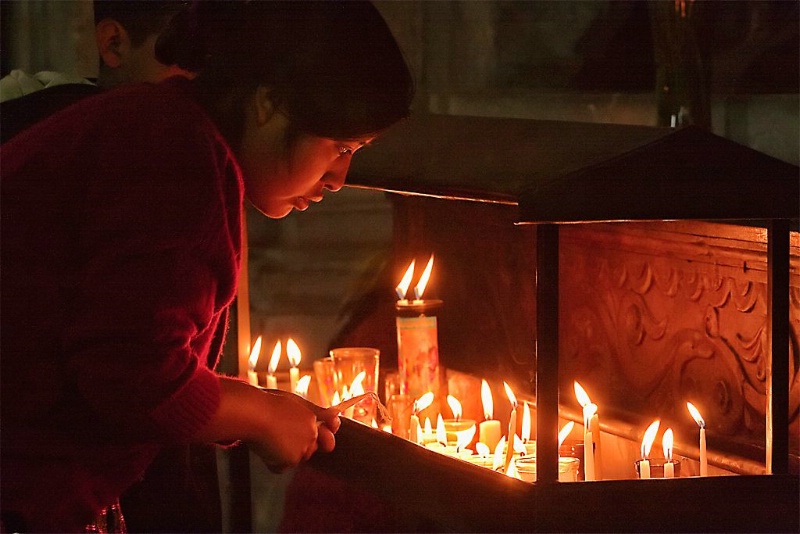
414, 428
512, 427
592, 427
489, 430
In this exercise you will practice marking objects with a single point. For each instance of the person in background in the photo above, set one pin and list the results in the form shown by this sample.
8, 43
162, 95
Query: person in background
122, 241
137, 41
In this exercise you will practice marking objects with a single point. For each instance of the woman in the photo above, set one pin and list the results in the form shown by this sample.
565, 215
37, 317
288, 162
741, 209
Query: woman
121, 247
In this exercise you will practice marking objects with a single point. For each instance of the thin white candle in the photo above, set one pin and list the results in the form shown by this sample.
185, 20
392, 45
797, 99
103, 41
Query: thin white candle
703, 455
512, 427
414, 427
591, 427
589, 466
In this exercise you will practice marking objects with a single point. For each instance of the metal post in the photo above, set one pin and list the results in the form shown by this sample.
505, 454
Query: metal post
547, 353
777, 439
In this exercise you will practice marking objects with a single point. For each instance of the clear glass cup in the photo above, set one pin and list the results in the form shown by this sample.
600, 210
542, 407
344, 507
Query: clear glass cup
348, 365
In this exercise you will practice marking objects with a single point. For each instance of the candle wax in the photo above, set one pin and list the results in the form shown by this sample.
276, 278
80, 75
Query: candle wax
490, 433
413, 428
594, 426
512, 430
669, 470
703, 454
272, 382
644, 469
588, 461
294, 376
252, 377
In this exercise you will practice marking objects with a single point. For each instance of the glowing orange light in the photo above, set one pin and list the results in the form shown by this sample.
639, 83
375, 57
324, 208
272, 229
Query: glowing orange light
293, 351
455, 406
564, 432
302, 385
649, 438
254, 354
696, 415
423, 280
581, 395
486, 399
666, 443
482, 449
423, 402
441, 432
510, 394
526, 422
402, 287
276, 356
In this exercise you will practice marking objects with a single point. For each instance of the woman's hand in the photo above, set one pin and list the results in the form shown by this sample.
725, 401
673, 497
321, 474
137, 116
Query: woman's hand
282, 428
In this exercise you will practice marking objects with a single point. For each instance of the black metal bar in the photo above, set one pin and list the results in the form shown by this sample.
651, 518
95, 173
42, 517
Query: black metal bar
777, 439
547, 353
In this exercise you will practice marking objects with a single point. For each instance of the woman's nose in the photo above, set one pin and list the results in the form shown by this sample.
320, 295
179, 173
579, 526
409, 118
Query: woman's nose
334, 179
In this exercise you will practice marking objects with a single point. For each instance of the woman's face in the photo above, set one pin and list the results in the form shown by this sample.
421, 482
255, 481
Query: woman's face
283, 172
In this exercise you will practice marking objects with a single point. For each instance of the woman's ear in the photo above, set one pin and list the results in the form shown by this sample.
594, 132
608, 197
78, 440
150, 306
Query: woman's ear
113, 42
265, 108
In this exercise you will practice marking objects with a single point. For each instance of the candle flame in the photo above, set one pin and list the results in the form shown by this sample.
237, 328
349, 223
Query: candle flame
428, 426
526, 422
441, 433
276, 356
512, 470
402, 287
374, 423
564, 432
464, 438
666, 443
499, 454
254, 354
336, 399
345, 393
423, 402
423, 280
588, 412
519, 445
482, 449
696, 415
357, 387
581, 395
649, 438
455, 406
293, 351
388, 428
510, 395
486, 399
302, 385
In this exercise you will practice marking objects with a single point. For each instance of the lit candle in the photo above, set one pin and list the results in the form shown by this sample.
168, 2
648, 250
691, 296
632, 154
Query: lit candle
564, 432
419, 405
427, 431
666, 443
272, 381
647, 443
499, 454
528, 446
252, 377
512, 427
441, 433
703, 455
402, 287
592, 426
589, 466
293, 352
419, 289
489, 430
302, 386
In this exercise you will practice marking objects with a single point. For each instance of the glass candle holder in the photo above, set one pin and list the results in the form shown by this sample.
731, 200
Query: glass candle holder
348, 363
418, 348
567, 468
657, 467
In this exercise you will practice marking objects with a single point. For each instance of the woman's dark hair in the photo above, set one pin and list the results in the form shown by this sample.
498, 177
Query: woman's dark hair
333, 67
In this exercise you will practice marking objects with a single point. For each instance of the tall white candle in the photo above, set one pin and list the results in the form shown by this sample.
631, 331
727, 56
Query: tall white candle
512, 427
701, 422
589, 457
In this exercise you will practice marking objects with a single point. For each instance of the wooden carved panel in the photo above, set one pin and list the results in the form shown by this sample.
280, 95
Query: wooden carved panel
655, 315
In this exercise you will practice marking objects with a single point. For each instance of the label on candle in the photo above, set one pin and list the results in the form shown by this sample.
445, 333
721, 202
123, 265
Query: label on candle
418, 355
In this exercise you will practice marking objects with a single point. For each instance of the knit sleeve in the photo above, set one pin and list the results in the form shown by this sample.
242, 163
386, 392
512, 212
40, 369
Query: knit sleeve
159, 251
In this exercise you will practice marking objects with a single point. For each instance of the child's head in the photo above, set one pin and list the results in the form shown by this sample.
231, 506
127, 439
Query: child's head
281, 76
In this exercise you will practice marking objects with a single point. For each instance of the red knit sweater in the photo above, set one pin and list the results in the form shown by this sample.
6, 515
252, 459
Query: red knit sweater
121, 243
